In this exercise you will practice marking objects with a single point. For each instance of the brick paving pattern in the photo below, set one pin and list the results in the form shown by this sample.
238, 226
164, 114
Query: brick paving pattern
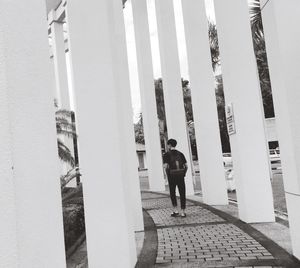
208, 243
196, 214
202, 239
158, 203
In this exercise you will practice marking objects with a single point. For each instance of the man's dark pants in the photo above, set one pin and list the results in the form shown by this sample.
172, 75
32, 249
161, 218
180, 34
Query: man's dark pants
179, 182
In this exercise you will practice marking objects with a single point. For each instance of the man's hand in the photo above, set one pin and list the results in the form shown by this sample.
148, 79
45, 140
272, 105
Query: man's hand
185, 166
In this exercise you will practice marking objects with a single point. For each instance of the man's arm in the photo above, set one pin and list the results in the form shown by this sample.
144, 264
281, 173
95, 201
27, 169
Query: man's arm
166, 166
184, 162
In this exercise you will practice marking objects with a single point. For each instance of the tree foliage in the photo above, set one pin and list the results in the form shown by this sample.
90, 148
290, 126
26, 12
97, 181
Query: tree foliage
187, 99
139, 130
220, 99
160, 104
261, 57
221, 114
65, 129
214, 45
161, 114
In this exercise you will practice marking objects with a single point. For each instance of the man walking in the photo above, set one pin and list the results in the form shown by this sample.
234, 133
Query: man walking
175, 167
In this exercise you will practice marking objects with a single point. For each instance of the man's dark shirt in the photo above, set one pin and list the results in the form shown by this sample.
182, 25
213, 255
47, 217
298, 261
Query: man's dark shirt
167, 158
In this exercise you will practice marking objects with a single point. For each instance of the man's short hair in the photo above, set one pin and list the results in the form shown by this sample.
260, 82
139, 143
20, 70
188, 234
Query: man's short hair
172, 142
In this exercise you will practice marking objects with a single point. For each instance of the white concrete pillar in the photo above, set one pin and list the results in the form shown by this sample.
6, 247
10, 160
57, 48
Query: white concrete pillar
147, 90
8, 235
282, 35
242, 90
204, 103
108, 226
31, 226
173, 95
60, 63
128, 147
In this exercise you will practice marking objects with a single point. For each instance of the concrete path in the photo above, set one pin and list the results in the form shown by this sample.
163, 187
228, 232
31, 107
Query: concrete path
207, 237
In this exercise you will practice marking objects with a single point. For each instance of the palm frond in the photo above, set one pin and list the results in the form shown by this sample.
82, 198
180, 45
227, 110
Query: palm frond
254, 6
67, 133
64, 153
63, 113
71, 174
62, 120
65, 126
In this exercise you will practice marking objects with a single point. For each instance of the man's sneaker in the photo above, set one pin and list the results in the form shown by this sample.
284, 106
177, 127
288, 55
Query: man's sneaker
183, 215
174, 214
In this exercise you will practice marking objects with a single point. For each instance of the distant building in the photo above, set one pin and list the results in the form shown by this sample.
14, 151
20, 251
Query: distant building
141, 155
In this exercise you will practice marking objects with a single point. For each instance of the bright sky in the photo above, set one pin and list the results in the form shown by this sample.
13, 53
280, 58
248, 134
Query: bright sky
136, 102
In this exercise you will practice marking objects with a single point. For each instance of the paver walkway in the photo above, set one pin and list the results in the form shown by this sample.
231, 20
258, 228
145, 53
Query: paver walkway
205, 238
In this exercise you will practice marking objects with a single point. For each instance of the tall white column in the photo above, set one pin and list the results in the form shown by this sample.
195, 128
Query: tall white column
173, 96
32, 226
147, 90
204, 103
108, 226
280, 21
60, 63
242, 90
128, 147
8, 235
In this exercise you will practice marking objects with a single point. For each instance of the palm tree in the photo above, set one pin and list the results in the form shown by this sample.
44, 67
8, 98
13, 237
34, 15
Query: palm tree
261, 56
65, 129
214, 45
139, 130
